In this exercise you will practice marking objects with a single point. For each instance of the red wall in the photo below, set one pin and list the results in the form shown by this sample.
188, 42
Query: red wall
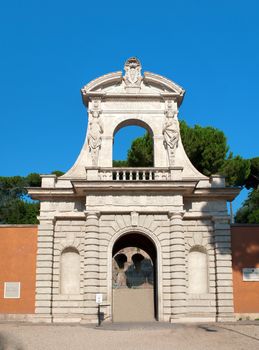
18, 249
245, 253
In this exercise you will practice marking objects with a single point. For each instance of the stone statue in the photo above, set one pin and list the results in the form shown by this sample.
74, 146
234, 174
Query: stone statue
120, 278
171, 135
94, 137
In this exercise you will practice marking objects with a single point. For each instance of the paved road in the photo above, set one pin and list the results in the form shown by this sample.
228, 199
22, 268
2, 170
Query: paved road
14, 336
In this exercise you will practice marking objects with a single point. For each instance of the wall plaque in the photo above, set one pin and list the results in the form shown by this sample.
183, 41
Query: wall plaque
251, 274
12, 290
98, 298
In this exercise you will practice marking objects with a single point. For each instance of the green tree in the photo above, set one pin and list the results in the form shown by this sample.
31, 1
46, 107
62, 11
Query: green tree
141, 152
15, 205
252, 180
33, 180
18, 211
57, 172
249, 212
120, 163
236, 169
206, 147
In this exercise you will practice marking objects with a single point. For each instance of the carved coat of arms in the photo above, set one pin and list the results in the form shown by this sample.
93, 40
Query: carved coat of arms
132, 72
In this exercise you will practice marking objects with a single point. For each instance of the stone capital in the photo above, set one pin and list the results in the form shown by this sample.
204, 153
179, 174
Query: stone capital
90, 214
47, 218
176, 214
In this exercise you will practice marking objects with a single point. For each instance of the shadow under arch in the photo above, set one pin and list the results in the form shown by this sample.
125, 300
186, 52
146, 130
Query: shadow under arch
69, 249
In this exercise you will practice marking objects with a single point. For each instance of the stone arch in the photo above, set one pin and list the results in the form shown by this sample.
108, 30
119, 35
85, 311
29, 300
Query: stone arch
154, 240
69, 271
133, 122
65, 244
198, 281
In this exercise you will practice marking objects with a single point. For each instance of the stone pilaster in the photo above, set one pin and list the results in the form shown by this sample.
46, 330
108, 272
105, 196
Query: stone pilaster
91, 264
44, 270
178, 266
223, 269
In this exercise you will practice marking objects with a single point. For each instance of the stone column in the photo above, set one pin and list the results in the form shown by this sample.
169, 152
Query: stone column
44, 270
223, 269
178, 266
91, 264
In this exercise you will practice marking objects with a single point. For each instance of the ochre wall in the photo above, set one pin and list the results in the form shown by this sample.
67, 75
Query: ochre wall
18, 249
245, 253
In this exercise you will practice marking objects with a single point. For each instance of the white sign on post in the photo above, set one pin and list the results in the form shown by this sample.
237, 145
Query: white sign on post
99, 298
251, 274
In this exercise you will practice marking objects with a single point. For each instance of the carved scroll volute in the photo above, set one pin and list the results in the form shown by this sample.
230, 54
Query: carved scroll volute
95, 131
171, 132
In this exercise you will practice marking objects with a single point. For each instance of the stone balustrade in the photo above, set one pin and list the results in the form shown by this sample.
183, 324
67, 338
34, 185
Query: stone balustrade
134, 174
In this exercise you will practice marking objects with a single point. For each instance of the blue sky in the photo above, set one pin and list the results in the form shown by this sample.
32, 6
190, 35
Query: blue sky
50, 49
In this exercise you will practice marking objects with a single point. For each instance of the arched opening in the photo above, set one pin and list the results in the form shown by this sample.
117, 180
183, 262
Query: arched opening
133, 144
198, 270
70, 271
134, 279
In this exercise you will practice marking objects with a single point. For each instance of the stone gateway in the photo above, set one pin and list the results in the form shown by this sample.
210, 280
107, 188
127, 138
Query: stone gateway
155, 242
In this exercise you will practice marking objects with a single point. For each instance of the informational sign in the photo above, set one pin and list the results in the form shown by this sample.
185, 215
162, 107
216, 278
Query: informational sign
12, 290
251, 274
98, 298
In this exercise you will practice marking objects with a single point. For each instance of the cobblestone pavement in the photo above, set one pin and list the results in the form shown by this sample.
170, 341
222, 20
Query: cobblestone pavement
18, 336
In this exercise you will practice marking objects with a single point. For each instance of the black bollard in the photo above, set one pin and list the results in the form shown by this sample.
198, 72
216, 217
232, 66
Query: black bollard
99, 315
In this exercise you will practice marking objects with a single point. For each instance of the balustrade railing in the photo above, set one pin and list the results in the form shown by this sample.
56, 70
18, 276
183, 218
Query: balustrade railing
134, 174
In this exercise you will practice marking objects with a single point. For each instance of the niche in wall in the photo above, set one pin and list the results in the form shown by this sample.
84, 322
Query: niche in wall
198, 271
70, 271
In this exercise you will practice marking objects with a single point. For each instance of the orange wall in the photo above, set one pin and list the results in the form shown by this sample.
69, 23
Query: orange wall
245, 253
18, 248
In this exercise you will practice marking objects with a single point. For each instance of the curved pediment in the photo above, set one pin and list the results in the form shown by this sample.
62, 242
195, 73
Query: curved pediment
132, 84
98, 84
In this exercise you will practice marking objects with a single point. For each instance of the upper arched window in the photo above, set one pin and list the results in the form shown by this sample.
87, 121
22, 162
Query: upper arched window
133, 145
70, 271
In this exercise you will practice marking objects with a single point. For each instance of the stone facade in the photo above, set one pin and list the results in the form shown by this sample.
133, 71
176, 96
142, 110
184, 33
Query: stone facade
93, 207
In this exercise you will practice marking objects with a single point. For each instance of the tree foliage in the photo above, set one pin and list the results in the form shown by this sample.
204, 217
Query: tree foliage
18, 211
249, 212
15, 206
206, 147
120, 163
57, 172
252, 180
141, 152
236, 169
